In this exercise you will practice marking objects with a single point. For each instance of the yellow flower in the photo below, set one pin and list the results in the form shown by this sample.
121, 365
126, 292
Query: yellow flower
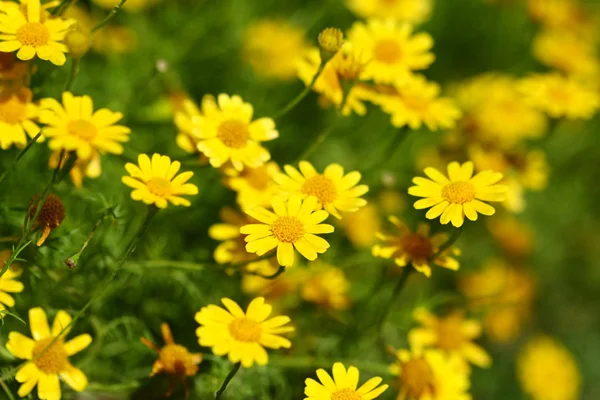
233, 247
50, 216
548, 371
417, 249
242, 336
271, 289
512, 235
155, 181
331, 41
334, 190
294, 224
44, 369
394, 52
430, 375
255, 186
342, 385
327, 286
453, 334
17, 115
9, 282
362, 226
173, 359
74, 126
33, 32
415, 11
91, 168
272, 48
567, 52
560, 96
459, 196
11, 68
130, 5
569, 15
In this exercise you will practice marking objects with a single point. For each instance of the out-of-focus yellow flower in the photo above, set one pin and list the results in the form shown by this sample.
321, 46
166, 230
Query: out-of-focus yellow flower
567, 52
415, 248
156, 182
453, 334
255, 186
394, 53
50, 216
9, 282
460, 195
11, 68
568, 15
294, 224
47, 356
548, 371
362, 226
504, 294
272, 47
515, 195
334, 190
343, 385
241, 335
232, 249
271, 289
512, 235
91, 168
17, 116
430, 375
414, 11
130, 5
327, 286
392, 201
560, 96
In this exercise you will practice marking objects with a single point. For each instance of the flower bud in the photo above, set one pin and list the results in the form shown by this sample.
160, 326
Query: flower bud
330, 41
78, 42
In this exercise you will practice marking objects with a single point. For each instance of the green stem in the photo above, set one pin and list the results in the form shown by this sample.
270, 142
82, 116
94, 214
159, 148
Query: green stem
280, 271
302, 94
318, 141
228, 378
451, 240
397, 289
61, 8
20, 155
71, 262
110, 16
7, 391
72, 75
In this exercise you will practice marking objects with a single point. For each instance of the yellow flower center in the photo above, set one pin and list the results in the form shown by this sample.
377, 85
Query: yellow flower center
417, 246
83, 129
159, 186
416, 104
53, 360
459, 192
12, 110
287, 229
233, 133
450, 335
387, 51
417, 378
346, 394
245, 330
33, 34
177, 360
321, 187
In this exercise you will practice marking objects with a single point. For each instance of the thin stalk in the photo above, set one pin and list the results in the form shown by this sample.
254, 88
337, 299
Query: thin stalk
71, 262
318, 141
228, 378
451, 240
72, 75
397, 289
280, 271
110, 16
302, 94
20, 155
61, 8
7, 391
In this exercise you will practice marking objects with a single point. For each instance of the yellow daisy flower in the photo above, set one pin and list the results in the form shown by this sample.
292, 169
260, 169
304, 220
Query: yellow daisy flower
17, 115
327, 286
74, 126
394, 52
548, 371
430, 375
241, 335
186, 117
155, 182
44, 369
362, 226
342, 385
453, 334
417, 249
232, 250
459, 196
334, 190
33, 33
567, 52
568, 15
560, 96
9, 282
255, 186
293, 224
415, 11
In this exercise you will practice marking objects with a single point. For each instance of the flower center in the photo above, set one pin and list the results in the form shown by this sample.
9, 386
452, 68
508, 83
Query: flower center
321, 187
417, 377
53, 360
175, 359
417, 246
245, 330
459, 192
83, 129
33, 34
287, 229
450, 332
159, 186
387, 51
346, 394
233, 133
416, 104
12, 110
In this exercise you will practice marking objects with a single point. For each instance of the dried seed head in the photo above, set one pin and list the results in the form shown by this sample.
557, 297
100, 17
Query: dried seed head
50, 216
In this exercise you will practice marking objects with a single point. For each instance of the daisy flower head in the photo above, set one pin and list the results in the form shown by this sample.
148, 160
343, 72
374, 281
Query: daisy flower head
47, 355
334, 190
327, 287
9, 282
567, 51
414, 11
416, 248
32, 31
458, 195
227, 132
392, 48
293, 224
75, 126
156, 181
17, 116
362, 226
255, 186
186, 117
342, 385
242, 336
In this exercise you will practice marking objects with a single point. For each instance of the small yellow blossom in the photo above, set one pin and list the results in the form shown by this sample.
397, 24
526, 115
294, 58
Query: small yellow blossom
271, 289
512, 235
232, 250
90, 168
416, 248
9, 282
567, 52
241, 335
460, 195
17, 116
49, 217
566, 15
327, 286
255, 186
293, 224
362, 226
415, 11
156, 181
548, 371
342, 385
330, 42
334, 190
392, 201
47, 355
78, 42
